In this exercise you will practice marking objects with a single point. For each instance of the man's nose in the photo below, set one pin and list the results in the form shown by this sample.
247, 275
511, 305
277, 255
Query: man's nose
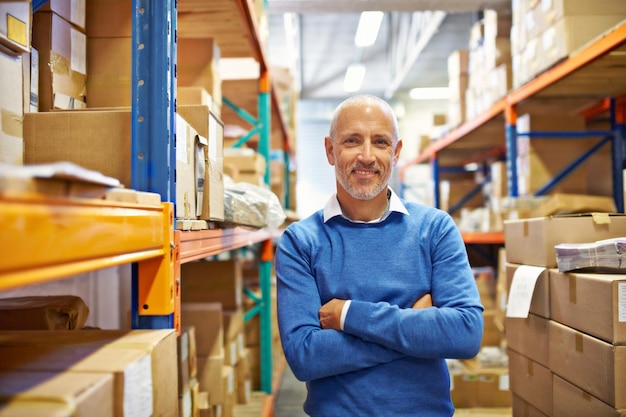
366, 153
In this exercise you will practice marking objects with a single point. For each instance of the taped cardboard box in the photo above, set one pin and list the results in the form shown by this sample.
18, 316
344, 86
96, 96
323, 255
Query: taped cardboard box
531, 241
56, 394
158, 345
54, 312
130, 368
590, 303
591, 364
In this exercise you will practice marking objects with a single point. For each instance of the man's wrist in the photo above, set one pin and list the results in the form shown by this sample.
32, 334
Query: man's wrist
344, 313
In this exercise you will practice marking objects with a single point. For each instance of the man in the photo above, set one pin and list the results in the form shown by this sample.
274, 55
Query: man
374, 292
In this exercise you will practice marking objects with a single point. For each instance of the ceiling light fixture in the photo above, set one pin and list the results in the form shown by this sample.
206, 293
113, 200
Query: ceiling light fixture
354, 77
430, 93
367, 31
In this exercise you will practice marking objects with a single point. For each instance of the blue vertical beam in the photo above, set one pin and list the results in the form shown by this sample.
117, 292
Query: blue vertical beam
265, 118
153, 158
437, 181
153, 117
511, 152
618, 126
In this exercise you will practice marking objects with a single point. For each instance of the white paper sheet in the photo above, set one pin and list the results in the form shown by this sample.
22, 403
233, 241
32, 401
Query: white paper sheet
521, 291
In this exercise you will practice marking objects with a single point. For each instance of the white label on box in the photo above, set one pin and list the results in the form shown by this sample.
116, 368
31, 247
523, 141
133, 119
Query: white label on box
213, 139
621, 301
521, 292
503, 383
138, 388
79, 52
181, 140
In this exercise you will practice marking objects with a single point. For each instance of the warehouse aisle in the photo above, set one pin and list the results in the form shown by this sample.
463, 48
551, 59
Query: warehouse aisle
290, 396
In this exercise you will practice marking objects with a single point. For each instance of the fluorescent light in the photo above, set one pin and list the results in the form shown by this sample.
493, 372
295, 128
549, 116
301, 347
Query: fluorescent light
367, 31
430, 93
354, 77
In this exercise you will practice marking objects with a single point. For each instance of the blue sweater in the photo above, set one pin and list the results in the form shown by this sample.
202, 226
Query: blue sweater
390, 359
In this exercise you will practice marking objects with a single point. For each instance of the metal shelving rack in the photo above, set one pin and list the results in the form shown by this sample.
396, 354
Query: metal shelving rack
156, 29
590, 82
72, 236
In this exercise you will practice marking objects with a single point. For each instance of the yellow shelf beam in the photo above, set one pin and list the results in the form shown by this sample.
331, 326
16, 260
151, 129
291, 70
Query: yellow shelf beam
47, 238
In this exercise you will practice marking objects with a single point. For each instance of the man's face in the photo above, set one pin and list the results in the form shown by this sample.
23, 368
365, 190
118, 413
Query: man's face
363, 151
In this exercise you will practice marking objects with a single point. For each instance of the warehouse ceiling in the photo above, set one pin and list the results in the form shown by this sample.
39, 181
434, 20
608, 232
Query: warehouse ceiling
415, 39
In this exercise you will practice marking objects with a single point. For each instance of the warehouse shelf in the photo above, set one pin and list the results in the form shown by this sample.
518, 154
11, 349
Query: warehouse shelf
590, 82
47, 238
234, 26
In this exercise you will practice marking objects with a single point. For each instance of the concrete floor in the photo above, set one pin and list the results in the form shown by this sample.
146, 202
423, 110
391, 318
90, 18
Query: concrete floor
290, 396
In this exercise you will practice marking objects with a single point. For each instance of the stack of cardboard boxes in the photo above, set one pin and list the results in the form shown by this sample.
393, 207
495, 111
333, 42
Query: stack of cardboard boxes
565, 331
213, 305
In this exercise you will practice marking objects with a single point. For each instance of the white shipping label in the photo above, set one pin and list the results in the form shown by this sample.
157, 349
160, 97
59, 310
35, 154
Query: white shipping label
79, 51
138, 388
521, 292
213, 139
181, 140
621, 302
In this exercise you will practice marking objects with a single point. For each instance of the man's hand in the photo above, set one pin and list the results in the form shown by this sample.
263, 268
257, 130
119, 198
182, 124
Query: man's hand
424, 301
330, 314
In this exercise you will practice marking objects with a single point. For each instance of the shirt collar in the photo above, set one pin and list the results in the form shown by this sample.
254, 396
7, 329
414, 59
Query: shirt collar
332, 208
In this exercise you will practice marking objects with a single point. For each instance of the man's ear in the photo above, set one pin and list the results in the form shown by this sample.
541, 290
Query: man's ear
328, 145
396, 153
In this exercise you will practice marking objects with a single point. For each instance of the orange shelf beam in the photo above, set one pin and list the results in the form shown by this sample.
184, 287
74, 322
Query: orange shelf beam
200, 244
483, 237
46, 238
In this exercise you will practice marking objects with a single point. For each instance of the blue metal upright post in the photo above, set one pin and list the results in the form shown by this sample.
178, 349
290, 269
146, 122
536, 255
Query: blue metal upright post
511, 151
153, 115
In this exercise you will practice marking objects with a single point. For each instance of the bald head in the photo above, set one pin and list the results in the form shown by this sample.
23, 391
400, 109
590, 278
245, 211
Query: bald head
362, 102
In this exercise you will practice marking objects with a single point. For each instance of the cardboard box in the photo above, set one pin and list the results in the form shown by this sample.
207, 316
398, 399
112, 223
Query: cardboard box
210, 377
209, 126
530, 337
480, 387
532, 241
590, 303
523, 408
11, 108
109, 19
569, 400
33, 394
73, 11
531, 382
589, 363
62, 62
159, 345
540, 302
213, 281
569, 34
109, 61
561, 203
130, 368
198, 65
15, 25
208, 322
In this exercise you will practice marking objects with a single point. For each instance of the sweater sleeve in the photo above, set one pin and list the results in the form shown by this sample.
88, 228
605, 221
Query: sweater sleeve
313, 352
453, 328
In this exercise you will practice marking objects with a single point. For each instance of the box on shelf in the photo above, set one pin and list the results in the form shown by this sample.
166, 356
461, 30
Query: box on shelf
530, 381
15, 25
209, 126
159, 345
589, 363
62, 62
569, 400
56, 394
531, 241
213, 281
477, 386
73, 11
12, 109
590, 303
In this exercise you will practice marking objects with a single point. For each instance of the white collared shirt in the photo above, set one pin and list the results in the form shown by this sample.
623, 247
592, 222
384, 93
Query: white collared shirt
332, 208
